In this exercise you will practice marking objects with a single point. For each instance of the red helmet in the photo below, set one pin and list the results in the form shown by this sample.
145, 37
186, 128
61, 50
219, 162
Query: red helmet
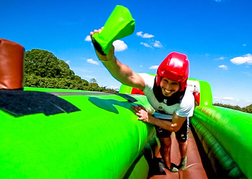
175, 67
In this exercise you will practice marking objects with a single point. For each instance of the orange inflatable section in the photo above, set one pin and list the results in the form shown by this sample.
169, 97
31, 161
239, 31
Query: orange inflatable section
11, 65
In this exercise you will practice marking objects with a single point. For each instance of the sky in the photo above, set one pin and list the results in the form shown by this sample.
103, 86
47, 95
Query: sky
214, 34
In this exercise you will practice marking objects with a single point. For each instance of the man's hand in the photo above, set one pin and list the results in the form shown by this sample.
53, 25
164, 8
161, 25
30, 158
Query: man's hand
107, 57
144, 116
141, 112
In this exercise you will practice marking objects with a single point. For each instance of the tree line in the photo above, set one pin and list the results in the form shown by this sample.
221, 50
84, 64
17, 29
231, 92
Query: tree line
247, 109
42, 69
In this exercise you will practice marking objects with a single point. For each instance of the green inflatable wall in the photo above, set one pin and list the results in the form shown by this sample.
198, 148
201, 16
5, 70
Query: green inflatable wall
231, 130
52, 133
225, 136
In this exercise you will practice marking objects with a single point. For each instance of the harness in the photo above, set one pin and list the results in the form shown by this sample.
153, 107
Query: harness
171, 100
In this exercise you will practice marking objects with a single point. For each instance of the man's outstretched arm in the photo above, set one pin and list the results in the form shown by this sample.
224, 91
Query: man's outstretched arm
119, 71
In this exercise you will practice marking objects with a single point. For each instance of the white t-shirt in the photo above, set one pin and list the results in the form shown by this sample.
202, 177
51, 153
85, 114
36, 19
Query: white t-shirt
183, 109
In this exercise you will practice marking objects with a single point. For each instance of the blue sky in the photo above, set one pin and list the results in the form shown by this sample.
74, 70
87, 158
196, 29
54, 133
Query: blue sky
214, 34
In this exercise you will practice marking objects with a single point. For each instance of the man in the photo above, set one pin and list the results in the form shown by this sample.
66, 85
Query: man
166, 93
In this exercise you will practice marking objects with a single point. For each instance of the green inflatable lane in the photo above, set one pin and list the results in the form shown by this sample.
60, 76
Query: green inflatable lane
225, 135
232, 131
49, 133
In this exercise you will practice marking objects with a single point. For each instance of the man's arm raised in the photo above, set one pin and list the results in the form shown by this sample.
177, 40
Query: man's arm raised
119, 71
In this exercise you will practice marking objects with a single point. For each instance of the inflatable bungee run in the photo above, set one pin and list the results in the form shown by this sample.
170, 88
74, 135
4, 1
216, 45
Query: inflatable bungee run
73, 134
223, 134
58, 133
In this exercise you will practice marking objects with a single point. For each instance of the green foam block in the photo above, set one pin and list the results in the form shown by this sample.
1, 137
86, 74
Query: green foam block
119, 24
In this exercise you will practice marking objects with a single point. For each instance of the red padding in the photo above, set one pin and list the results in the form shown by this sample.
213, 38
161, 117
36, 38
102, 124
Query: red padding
197, 98
137, 91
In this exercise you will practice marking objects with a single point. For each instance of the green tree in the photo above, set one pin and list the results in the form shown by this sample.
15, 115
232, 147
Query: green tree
44, 64
92, 80
248, 109
93, 83
43, 69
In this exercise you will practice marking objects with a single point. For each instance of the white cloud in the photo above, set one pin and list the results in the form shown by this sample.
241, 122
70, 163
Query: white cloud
145, 35
139, 33
228, 98
223, 67
114, 87
153, 43
154, 67
231, 101
241, 60
146, 44
111, 87
68, 62
119, 45
92, 61
217, 0
157, 44
244, 45
88, 38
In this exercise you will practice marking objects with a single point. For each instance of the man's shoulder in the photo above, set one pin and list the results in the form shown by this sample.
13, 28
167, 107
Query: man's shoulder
148, 78
188, 98
149, 84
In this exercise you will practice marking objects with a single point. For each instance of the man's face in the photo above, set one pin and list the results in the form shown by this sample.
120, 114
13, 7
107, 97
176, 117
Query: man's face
169, 87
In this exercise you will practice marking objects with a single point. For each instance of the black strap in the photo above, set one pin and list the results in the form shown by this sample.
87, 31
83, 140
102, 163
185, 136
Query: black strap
20, 103
129, 98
